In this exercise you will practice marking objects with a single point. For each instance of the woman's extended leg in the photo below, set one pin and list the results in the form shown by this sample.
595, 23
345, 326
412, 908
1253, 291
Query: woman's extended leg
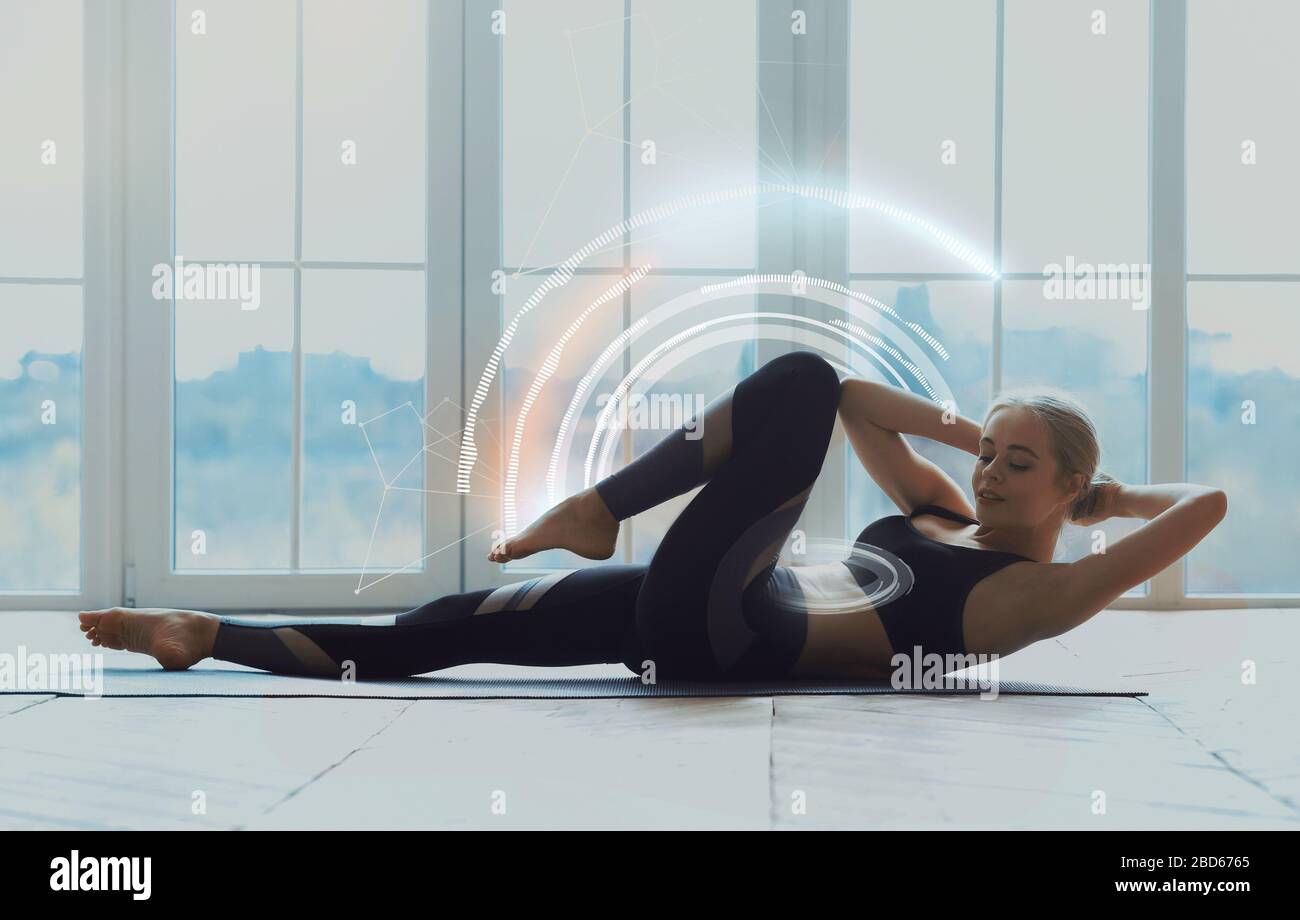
564, 618
702, 612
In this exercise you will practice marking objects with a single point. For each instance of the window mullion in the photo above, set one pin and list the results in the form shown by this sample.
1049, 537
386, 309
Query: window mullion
1168, 256
295, 506
999, 57
629, 543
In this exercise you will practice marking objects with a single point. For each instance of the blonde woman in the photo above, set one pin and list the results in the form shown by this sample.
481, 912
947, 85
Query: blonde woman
943, 577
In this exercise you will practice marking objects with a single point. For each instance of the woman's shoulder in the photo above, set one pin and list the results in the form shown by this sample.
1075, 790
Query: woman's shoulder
1003, 608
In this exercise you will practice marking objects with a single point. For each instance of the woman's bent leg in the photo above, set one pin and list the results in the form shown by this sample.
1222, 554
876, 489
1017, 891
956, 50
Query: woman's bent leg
701, 612
587, 523
565, 618
689, 456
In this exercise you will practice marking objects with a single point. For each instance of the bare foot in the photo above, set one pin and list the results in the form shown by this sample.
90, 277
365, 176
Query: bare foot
177, 638
581, 524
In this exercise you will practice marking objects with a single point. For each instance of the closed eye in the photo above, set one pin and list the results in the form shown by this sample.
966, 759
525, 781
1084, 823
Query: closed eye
1014, 466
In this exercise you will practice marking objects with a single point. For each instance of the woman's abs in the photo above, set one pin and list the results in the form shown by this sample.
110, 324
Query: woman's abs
845, 636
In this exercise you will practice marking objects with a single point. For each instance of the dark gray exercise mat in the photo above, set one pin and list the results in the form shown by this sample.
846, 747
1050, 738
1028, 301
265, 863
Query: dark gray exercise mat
508, 683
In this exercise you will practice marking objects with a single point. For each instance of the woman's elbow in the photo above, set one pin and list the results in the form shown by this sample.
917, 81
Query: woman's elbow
1220, 499
1214, 504
848, 389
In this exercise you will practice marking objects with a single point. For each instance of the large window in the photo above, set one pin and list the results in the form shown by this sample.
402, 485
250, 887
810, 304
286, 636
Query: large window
1030, 145
44, 298
1243, 290
604, 110
298, 306
273, 437
362, 283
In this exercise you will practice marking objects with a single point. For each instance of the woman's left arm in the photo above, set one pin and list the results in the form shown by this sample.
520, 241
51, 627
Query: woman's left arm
1146, 502
1119, 499
1182, 514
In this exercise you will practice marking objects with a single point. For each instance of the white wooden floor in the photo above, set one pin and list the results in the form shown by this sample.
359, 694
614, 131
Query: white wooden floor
1204, 750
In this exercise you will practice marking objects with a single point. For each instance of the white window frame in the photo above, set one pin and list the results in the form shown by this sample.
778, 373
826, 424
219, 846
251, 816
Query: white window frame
1164, 448
100, 512
1172, 284
484, 311
817, 244
150, 578
126, 360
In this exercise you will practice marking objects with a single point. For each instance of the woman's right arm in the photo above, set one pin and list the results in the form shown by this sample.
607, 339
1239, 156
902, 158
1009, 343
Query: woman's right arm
896, 409
869, 411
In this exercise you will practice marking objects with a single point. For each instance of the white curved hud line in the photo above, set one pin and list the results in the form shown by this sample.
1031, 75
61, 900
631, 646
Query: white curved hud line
894, 579
549, 367
562, 274
693, 298
668, 345
845, 330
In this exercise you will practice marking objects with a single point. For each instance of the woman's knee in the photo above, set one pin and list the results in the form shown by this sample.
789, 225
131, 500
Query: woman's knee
810, 376
809, 403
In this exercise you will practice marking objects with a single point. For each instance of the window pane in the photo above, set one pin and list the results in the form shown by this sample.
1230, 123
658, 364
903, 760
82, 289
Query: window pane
236, 118
233, 429
363, 354
538, 334
364, 130
560, 187
1243, 137
689, 382
694, 86
1074, 160
40, 437
1243, 390
41, 139
1096, 350
959, 314
920, 135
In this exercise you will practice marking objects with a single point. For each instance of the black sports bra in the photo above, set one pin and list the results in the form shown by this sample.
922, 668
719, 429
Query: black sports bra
929, 615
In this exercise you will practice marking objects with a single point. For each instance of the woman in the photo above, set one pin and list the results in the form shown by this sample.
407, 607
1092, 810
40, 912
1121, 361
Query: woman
942, 578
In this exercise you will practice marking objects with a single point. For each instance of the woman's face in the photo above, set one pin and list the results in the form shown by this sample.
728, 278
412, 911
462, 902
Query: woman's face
1017, 465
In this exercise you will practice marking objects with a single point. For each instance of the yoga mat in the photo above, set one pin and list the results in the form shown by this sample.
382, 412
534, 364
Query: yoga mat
129, 675
510, 684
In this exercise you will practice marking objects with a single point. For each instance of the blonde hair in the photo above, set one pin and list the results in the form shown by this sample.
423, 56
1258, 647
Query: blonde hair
1073, 436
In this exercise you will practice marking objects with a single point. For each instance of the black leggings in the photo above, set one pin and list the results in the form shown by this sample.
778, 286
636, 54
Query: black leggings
703, 609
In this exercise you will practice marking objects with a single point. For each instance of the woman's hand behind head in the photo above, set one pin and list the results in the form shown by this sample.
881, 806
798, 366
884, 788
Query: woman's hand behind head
1100, 503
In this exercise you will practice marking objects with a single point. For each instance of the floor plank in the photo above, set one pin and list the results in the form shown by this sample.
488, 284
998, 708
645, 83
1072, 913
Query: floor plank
936, 762
577, 764
143, 763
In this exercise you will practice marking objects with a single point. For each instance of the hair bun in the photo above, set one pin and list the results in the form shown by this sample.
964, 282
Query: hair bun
1086, 503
